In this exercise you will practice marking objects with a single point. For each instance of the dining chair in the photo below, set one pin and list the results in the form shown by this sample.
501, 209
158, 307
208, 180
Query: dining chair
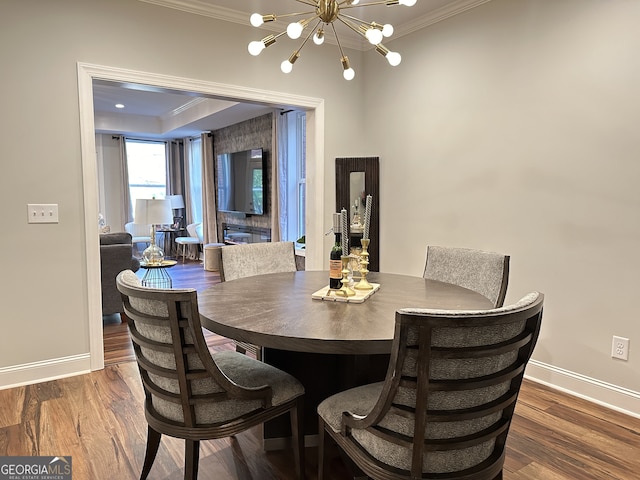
191, 393
247, 260
194, 237
446, 404
484, 272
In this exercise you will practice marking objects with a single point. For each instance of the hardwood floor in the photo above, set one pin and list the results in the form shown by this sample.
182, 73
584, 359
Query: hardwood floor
98, 419
191, 274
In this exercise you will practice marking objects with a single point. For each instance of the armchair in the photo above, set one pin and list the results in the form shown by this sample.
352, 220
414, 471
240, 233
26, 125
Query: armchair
191, 393
445, 407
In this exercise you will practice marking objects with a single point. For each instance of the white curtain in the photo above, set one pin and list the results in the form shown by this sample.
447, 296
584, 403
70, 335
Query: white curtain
209, 220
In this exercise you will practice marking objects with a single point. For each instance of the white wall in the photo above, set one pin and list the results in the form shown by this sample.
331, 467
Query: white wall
510, 127
522, 139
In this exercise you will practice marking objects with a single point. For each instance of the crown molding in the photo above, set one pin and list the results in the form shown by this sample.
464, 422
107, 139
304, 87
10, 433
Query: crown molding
199, 7
438, 15
204, 8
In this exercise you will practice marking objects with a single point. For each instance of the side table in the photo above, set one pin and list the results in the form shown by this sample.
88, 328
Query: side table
156, 274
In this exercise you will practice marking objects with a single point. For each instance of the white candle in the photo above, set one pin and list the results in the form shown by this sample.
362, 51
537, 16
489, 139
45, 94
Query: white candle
345, 232
367, 217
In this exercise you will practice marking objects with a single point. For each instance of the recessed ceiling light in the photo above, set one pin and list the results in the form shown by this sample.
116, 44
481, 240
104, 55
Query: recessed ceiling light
119, 105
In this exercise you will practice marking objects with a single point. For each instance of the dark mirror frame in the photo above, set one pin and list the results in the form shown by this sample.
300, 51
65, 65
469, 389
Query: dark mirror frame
371, 168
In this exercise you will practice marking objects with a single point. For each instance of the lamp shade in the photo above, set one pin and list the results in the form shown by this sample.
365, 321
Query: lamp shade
153, 211
177, 201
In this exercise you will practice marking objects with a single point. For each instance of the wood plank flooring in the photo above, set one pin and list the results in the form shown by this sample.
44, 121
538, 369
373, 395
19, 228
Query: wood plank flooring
191, 274
98, 419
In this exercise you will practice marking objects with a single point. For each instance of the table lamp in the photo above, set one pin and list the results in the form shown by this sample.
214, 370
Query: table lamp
177, 201
153, 212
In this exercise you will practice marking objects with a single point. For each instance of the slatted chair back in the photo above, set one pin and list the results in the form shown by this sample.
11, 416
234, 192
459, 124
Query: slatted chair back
484, 272
247, 260
445, 407
189, 393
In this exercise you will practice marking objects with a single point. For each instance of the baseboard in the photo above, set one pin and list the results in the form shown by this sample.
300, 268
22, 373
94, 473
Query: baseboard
605, 394
37, 372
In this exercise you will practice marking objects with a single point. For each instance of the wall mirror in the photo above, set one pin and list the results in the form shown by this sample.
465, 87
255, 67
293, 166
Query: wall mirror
355, 179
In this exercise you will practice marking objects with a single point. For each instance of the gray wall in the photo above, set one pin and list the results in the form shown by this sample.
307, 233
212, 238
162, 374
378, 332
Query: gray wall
521, 139
510, 127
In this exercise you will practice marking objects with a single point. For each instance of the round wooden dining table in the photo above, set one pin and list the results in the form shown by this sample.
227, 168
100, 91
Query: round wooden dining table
277, 311
328, 345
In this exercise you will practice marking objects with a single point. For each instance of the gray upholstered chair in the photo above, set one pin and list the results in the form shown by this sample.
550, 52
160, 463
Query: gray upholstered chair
247, 260
191, 393
445, 407
484, 272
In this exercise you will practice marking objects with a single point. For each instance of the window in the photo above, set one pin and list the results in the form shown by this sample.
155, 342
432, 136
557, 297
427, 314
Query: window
301, 147
295, 168
147, 169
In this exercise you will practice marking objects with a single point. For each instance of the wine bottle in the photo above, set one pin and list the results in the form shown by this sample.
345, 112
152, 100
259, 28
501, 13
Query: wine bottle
335, 262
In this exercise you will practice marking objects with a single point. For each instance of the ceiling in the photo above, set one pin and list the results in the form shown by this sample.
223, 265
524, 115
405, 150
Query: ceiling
158, 114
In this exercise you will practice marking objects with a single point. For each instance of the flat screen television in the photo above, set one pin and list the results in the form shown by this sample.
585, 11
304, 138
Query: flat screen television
241, 182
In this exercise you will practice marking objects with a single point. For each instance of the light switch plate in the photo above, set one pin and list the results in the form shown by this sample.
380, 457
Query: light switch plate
42, 212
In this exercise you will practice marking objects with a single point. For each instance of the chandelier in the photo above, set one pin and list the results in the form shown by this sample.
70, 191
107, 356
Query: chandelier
327, 12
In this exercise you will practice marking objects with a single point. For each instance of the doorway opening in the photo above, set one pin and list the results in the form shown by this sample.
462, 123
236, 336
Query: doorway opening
87, 73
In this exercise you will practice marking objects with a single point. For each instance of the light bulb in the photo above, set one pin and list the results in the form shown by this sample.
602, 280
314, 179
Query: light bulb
349, 73
256, 20
294, 30
318, 38
286, 66
354, 2
387, 30
374, 36
256, 47
394, 58
408, 3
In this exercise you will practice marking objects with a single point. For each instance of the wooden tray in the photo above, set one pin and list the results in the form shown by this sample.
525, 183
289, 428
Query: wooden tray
330, 295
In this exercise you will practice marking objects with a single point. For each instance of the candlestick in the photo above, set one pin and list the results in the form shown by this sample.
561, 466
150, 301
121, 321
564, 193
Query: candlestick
346, 290
345, 232
364, 284
367, 217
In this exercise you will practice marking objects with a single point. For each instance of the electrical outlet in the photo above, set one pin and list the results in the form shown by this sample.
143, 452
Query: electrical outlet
620, 348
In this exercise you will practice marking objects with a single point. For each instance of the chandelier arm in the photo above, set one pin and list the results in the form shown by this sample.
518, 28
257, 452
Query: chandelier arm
351, 26
292, 14
280, 34
337, 39
389, 3
308, 37
306, 2
359, 20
